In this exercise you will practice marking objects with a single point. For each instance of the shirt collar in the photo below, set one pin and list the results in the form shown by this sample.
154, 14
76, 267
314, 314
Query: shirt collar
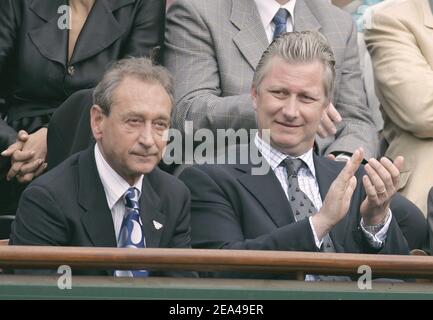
268, 8
114, 185
275, 157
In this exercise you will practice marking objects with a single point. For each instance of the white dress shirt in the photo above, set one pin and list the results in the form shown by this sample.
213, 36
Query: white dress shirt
308, 184
115, 187
267, 10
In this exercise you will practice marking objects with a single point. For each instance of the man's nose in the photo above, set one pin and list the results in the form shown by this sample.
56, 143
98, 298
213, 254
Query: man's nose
146, 135
290, 109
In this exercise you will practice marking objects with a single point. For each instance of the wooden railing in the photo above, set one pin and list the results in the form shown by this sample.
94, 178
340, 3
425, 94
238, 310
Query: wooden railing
277, 262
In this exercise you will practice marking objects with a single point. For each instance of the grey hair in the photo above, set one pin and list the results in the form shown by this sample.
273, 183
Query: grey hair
140, 68
299, 47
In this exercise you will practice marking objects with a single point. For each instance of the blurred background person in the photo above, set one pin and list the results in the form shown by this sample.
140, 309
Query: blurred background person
359, 9
213, 46
399, 39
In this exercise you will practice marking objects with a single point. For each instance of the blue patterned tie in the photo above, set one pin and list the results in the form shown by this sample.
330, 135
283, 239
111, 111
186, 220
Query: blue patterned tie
131, 232
280, 21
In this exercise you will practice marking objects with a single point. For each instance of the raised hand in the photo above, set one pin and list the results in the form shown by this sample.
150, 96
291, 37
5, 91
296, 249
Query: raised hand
380, 183
337, 201
329, 119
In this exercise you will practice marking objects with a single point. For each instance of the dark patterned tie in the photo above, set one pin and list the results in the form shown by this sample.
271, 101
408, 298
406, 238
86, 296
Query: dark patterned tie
280, 21
131, 231
301, 205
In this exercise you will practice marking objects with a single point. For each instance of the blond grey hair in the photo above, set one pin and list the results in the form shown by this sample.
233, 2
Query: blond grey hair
299, 47
140, 68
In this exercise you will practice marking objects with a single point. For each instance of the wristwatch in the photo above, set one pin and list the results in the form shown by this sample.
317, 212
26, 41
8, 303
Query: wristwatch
344, 156
375, 228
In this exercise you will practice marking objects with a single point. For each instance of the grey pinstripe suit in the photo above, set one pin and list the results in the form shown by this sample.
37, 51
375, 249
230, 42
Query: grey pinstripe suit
213, 46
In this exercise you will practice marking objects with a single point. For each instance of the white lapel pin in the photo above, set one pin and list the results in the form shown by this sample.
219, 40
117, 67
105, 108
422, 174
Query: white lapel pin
157, 225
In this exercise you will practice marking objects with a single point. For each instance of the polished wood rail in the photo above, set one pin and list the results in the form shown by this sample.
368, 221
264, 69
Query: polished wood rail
35, 257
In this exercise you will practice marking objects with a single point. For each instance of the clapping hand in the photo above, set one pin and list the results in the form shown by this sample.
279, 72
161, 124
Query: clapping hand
327, 123
337, 201
381, 183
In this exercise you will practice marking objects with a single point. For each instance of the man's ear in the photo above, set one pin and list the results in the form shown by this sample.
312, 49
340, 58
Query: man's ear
254, 95
97, 117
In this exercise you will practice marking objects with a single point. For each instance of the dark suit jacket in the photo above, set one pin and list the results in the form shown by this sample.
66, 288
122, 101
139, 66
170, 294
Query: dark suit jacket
67, 207
233, 209
7, 137
33, 49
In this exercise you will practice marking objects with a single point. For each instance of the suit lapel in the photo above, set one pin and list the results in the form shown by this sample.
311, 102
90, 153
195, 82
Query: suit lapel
251, 39
326, 172
267, 191
97, 219
50, 40
304, 18
100, 30
151, 217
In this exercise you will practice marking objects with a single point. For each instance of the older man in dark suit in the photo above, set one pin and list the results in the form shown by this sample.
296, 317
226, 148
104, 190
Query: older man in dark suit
302, 202
112, 194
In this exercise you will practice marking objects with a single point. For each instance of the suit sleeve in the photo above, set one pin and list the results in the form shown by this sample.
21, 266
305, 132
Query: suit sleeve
182, 231
8, 33
190, 57
147, 34
7, 137
39, 220
358, 128
407, 230
403, 77
181, 237
216, 223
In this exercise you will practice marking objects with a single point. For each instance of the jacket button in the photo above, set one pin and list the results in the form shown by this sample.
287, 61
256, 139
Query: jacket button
71, 70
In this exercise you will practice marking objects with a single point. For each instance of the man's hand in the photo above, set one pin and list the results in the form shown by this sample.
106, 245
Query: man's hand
330, 157
337, 201
327, 127
380, 183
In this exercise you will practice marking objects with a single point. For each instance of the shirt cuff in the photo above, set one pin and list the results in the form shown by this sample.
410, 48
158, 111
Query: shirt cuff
316, 239
378, 239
